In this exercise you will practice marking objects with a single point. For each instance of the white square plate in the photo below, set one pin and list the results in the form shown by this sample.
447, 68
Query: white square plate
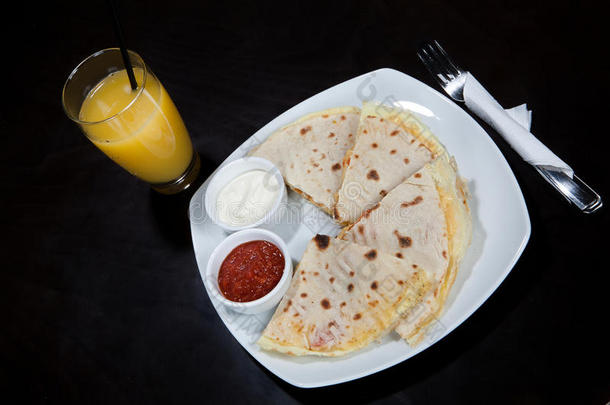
501, 226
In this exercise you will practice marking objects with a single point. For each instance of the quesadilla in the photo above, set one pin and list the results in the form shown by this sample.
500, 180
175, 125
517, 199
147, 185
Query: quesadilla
342, 297
309, 152
425, 219
390, 146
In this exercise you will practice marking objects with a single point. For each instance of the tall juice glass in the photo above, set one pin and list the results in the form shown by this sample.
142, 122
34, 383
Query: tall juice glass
141, 129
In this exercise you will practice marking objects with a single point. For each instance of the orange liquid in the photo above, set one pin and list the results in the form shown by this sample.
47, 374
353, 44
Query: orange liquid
142, 132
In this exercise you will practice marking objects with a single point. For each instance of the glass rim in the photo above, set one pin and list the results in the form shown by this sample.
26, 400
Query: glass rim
79, 66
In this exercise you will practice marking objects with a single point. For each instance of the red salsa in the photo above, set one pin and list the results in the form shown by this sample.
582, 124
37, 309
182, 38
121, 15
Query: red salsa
251, 271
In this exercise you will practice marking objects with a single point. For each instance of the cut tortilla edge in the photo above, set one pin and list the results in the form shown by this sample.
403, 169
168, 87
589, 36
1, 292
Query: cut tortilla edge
453, 193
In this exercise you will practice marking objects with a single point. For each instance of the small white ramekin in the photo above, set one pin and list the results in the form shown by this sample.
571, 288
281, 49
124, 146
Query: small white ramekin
225, 247
229, 172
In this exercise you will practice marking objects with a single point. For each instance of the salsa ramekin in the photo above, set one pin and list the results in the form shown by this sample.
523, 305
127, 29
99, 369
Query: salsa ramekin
266, 302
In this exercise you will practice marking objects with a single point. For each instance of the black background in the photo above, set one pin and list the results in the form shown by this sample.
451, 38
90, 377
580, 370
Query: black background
101, 299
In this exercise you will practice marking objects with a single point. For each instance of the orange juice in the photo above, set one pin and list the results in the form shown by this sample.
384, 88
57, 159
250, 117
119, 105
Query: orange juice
139, 129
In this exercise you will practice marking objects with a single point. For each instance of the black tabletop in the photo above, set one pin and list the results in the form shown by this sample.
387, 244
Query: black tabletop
101, 298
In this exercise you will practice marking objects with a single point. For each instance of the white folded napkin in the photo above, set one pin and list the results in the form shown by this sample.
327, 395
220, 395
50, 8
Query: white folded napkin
513, 125
522, 115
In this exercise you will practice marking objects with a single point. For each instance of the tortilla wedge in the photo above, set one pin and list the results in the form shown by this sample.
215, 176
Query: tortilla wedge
390, 146
309, 152
343, 296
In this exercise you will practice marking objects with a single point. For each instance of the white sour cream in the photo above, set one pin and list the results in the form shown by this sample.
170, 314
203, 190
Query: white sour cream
247, 198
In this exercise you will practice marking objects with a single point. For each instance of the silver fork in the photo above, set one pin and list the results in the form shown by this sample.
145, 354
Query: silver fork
452, 80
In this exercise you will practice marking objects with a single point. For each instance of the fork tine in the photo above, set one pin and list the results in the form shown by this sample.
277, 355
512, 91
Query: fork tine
432, 64
449, 61
434, 56
444, 59
441, 67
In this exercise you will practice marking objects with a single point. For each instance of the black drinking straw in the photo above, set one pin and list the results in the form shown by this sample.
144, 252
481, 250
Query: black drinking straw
119, 34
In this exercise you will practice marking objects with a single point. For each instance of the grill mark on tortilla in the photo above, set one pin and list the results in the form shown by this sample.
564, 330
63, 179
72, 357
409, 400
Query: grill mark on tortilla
383, 193
322, 241
371, 254
303, 295
399, 255
372, 175
336, 166
361, 229
350, 287
403, 241
394, 133
325, 303
331, 135
332, 280
417, 175
415, 201
305, 130
374, 145
374, 285
357, 316
343, 117
393, 151
406, 160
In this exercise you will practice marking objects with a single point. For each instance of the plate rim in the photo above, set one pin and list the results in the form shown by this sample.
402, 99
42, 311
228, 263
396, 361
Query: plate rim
461, 319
